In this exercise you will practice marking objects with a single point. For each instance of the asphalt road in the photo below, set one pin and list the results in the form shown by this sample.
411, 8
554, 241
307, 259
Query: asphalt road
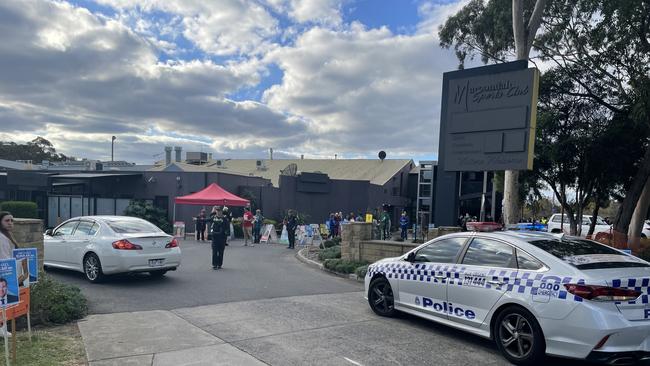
249, 273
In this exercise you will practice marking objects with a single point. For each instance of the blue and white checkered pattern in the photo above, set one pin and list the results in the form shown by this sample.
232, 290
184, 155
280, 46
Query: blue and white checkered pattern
638, 284
512, 281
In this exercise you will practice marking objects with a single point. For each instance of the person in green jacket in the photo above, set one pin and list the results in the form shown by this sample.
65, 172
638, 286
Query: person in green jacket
385, 224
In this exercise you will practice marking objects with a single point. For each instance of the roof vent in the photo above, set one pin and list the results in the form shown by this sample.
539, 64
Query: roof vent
260, 164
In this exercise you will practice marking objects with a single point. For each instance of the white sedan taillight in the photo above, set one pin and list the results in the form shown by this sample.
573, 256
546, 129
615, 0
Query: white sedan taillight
125, 245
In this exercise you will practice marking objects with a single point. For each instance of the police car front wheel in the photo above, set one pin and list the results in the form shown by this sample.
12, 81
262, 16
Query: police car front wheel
380, 297
519, 337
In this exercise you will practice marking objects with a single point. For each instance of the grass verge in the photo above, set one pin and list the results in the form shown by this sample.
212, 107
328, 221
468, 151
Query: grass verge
50, 346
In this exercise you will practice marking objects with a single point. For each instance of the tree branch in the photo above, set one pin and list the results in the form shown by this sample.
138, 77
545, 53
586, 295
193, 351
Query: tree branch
534, 22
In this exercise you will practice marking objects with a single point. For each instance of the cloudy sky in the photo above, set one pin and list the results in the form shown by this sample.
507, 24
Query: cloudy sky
231, 77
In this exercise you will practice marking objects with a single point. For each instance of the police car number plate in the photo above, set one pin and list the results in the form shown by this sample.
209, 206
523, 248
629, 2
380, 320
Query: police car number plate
156, 262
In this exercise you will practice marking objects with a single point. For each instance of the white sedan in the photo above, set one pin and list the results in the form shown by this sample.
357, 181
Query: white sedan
103, 245
532, 293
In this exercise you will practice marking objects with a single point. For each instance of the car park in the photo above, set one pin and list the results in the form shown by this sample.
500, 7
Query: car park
559, 223
105, 245
533, 293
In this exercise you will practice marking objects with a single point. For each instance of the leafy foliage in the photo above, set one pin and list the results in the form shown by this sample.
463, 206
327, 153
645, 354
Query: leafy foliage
361, 271
20, 209
343, 266
330, 253
56, 302
36, 150
145, 210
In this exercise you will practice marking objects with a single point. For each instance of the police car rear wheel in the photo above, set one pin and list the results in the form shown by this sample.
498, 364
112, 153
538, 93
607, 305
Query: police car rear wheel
380, 297
519, 337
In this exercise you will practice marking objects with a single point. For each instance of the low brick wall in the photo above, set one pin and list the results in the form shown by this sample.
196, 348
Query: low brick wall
374, 250
357, 243
29, 234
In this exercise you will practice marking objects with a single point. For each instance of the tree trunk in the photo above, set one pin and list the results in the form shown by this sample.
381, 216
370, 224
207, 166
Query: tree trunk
638, 218
594, 215
625, 212
523, 36
511, 202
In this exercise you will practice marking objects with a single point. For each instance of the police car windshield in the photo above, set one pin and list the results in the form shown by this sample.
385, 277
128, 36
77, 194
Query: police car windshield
585, 254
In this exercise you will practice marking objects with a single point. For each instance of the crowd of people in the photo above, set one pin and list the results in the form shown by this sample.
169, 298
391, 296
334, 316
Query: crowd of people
380, 218
219, 223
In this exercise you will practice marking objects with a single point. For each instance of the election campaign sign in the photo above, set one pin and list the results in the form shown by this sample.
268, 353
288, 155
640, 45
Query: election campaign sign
31, 255
8, 282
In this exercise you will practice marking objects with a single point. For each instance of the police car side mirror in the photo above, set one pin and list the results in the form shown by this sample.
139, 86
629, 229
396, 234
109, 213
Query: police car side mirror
48, 232
410, 257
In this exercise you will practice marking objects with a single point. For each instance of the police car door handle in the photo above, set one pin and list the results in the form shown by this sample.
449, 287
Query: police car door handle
440, 277
495, 283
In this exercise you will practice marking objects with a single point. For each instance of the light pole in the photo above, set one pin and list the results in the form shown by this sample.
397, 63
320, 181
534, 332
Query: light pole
112, 143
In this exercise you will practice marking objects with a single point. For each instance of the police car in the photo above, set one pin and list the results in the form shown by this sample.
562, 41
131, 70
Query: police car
532, 293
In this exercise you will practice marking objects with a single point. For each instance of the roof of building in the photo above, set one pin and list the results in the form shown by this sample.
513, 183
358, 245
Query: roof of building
373, 170
95, 175
8, 164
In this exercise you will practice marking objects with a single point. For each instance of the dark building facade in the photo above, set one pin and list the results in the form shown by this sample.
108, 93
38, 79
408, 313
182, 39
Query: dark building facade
61, 195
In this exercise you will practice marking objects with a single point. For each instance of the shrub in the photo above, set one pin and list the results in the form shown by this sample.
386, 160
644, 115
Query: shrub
328, 244
343, 266
330, 253
361, 271
56, 302
236, 227
146, 211
337, 240
20, 209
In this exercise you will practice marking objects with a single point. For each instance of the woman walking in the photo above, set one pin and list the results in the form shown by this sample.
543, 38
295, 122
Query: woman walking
7, 241
219, 230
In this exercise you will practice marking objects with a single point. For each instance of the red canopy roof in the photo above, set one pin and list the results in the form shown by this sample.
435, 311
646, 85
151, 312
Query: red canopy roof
212, 195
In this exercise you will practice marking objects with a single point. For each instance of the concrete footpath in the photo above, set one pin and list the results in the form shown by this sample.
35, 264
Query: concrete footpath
331, 329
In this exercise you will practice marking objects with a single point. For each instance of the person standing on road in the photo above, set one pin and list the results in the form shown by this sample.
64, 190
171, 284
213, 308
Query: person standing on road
7, 241
292, 225
404, 225
219, 230
258, 222
228, 215
247, 226
200, 225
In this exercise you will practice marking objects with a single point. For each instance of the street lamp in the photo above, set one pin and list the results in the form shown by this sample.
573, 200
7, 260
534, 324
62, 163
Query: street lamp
112, 143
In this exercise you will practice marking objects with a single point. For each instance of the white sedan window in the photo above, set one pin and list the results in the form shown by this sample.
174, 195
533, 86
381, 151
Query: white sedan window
66, 229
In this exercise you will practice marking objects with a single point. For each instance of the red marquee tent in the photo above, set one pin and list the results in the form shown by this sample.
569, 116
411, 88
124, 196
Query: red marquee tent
212, 195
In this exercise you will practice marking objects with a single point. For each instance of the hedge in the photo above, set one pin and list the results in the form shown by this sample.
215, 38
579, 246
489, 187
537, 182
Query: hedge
330, 253
343, 266
20, 209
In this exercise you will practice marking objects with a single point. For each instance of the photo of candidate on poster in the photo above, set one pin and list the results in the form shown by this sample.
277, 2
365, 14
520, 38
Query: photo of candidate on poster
31, 260
8, 282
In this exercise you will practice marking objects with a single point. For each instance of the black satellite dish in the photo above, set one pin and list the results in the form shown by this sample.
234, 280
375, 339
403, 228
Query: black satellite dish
382, 155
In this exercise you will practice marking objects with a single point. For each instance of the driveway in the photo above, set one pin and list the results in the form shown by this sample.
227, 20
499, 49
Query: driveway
249, 273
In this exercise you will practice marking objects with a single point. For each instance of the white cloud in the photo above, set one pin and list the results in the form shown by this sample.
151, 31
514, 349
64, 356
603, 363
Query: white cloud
225, 27
77, 78
434, 15
362, 90
92, 76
